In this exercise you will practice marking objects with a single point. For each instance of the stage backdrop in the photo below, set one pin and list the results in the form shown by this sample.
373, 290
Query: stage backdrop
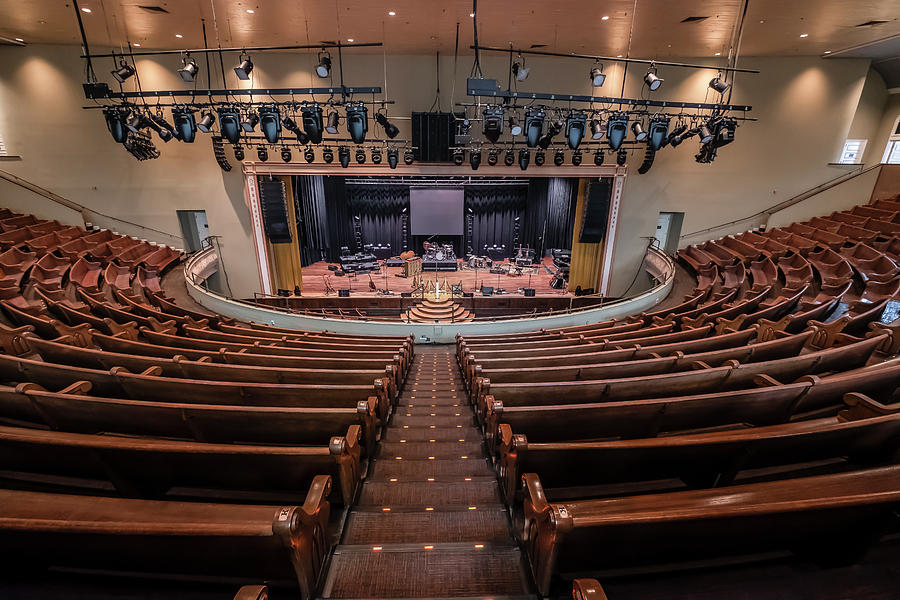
544, 209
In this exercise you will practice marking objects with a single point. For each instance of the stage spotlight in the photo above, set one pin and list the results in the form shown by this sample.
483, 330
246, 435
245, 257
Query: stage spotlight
270, 123
515, 128
599, 156
206, 123
639, 134
311, 116
302, 137
331, 125
243, 70
163, 129
596, 129
360, 156
621, 157
393, 157
616, 129
554, 128
285, 154
725, 134
136, 122
230, 123
597, 76
705, 134
524, 157
238, 153
123, 72
262, 153
534, 126
519, 70
509, 158
676, 136
185, 124
327, 155
576, 123
539, 158
357, 121
250, 122
659, 131
309, 155
390, 129
458, 157
344, 156
492, 157
115, 122
289, 124
576, 157
189, 69
408, 156
376, 156
475, 159
559, 157
324, 66
492, 122
652, 80
718, 84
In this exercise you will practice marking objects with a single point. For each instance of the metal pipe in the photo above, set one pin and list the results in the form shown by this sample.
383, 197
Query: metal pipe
238, 49
87, 50
248, 92
605, 100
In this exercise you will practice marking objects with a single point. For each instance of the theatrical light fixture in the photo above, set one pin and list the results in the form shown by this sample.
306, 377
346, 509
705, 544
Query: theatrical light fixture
475, 159
230, 123
309, 155
492, 122
599, 155
249, 123
524, 157
344, 156
243, 70
123, 72
360, 156
597, 76
357, 121
718, 84
639, 134
676, 136
115, 122
163, 129
408, 156
515, 128
206, 123
534, 126
458, 157
659, 132
539, 158
285, 154
509, 158
327, 155
519, 70
596, 129
189, 69
616, 129
621, 157
559, 157
393, 157
492, 157
311, 117
270, 123
652, 80
289, 124
576, 123
390, 129
576, 158
554, 128
376, 156
238, 153
331, 125
262, 153
135, 123
705, 134
185, 124
324, 66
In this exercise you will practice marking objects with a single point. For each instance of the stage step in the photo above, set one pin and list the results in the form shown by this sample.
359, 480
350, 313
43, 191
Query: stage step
431, 311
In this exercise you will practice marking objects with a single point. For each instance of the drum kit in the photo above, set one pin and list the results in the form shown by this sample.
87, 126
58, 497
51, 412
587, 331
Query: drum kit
438, 252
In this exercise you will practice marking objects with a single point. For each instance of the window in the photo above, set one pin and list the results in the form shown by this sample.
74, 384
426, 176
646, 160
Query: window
853, 152
3, 151
892, 152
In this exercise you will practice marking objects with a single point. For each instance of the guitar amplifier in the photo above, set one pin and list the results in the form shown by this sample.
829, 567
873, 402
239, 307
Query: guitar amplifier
487, 290
344, 293
529, 292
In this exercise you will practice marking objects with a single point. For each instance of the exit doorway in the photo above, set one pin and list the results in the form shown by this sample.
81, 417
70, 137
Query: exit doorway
668, 231
194, 228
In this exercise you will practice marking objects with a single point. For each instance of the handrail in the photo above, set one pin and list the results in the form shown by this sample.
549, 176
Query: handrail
796, 199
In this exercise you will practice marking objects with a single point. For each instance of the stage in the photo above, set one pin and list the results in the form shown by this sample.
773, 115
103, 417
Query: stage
537, 277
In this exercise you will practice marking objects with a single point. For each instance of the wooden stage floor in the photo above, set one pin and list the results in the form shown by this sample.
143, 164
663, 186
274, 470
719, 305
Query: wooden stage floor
314, 280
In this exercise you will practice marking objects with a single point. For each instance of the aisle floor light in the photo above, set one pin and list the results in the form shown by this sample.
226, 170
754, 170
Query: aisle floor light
390, 129
331, 125
534, 126
270, 123
230, 123
539, 158
509, 158
250, 122
285, 154
309, 155
393, 157
262, 153
616, 129
596, 129
376, 156
357, 121
519, 70
189, 69
243, 70
492, 122
344, 156
123, 72
238, 153
115, 122
185, 124
576, 123
206, 123
659, 131
639, 134
324, 66
312, 122
515, 128
576, 157
327, 155
475, 159
598, 77
360, 156
653, 80
408, 156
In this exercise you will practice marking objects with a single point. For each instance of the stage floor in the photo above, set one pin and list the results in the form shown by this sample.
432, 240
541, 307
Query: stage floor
314, 280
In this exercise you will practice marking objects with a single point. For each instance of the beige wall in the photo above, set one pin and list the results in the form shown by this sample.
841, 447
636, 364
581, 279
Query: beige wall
885, 126
867, 120
805, 108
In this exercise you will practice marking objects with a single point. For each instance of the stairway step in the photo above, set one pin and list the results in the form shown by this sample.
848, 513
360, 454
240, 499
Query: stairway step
421, 470
446, 450
434, 494
441, 434
431, 527
426, 408
455, 571
400, 419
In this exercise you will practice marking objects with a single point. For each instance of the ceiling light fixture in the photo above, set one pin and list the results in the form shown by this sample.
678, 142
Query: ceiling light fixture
86, 10
552, 131
350, 40
250, 122
718, 84
185, 124
391, 13
250, 11
652, 79
475, 159
803, 35
519, 70
179, 36
659, 132
331, 125
639, 134
206, 123
534, 126
262, 153
357, 121
123, 72
616, 129
344, 156
621, 157
576, 158
492, 157
515, 128
524, 157
559, 157
243, 70
596, 129
604, 18
20, 40
238, 153
230, 123
189, 69
361, 156
327, 155
540, 157
492, 122
376, 156
509, 158
599, 155
270, 122
408, 156
393, 157
576, 123
458, 156
390, 129
324, 66
309, 154
286, 154
597, 76
136, 45
312, 122
115, 122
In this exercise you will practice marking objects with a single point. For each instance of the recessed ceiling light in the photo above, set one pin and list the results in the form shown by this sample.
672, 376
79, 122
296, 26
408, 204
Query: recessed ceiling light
472, 15
86, 10
718, 54
604, 18
250, 11
350, 40
828, 52
804, 35
178, 35
618, 56
392, 13
19, 40
136, 45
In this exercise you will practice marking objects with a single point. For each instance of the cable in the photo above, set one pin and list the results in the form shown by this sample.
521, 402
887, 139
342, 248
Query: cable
476, 68
437, 92
640, 266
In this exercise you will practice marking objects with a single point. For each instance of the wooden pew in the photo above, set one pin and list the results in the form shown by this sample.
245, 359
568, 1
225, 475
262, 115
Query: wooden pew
86, 274
162, 259
16, 260
831, 518
147, 280
764, 273
122, 315
278, 543
730, 311
118, 278
168, 306
695, 258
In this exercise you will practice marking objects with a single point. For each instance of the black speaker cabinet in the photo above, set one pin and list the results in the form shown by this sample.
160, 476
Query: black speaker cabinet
487, 290
468, 295
596, 212
406, 294
344, 293
529, 291
274, 211
432, 136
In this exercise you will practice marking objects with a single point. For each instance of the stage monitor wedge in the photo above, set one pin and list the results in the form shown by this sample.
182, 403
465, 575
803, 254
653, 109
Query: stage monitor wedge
596, 212
274, 211
433, 134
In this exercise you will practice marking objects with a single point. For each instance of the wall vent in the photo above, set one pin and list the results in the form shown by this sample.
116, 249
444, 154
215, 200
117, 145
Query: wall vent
153, 9
873, 23
693, 19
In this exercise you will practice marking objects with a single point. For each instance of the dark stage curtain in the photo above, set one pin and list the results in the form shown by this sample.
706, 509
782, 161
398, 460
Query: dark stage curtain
495, 209
550, 213
312, 220
380, 210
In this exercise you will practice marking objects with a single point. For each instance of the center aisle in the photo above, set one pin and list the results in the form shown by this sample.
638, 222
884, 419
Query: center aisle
430, 522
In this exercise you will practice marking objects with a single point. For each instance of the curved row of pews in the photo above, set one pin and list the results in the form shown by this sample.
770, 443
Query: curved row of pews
758, 414
141, 436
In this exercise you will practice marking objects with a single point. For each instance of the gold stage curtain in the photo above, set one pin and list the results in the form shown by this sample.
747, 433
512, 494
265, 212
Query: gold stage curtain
285, 261
584, 269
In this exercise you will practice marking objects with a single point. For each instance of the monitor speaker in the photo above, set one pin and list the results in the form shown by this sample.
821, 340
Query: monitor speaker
596, 212
468, 295
274, 211
344, 293
406, 294
433, 134
487, 290
529, 291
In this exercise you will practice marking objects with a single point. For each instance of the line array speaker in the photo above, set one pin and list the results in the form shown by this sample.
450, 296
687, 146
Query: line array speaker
274, 211
432, 136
